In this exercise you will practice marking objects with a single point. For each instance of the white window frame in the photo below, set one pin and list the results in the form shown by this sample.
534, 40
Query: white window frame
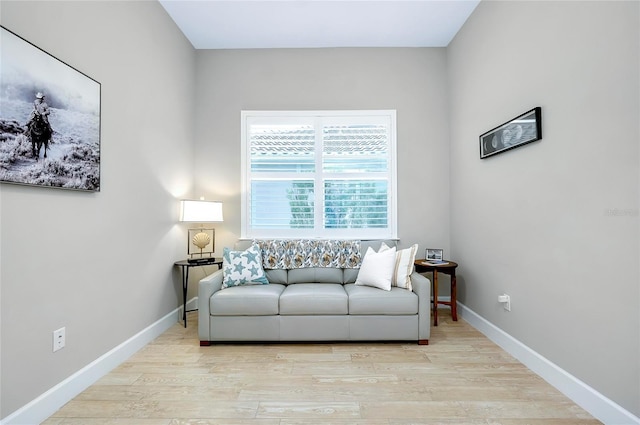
272, 117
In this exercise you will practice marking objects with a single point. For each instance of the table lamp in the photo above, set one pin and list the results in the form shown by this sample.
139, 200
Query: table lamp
200, 211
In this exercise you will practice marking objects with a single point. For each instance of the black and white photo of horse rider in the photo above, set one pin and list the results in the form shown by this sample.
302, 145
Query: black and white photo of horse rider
38, 128
49, 119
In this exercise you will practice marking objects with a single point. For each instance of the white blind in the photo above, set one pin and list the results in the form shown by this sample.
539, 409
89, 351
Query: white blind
355, 148
282, 148
319, 174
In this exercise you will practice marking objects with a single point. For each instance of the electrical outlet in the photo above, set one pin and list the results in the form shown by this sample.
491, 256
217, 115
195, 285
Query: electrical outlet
59, 339
506, 300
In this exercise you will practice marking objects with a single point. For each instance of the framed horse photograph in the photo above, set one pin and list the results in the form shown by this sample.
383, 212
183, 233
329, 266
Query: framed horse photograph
49, 119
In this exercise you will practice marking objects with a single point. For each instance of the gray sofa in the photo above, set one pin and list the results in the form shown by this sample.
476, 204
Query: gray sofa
313, 304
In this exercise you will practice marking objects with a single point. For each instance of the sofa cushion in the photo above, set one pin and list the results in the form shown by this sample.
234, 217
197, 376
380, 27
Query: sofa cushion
313, 298
366, 300
276, 276
242, 267
261, 300
316, 275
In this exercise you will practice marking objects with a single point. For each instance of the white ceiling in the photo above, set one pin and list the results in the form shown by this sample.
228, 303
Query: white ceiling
242, 24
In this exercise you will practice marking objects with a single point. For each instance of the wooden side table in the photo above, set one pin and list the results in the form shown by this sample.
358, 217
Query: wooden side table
185, 265
450, 269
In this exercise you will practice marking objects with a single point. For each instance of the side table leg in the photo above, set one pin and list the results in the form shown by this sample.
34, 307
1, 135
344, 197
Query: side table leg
454, 298
185, 286
435, 298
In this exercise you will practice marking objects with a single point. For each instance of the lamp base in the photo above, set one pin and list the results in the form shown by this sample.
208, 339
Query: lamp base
202, 260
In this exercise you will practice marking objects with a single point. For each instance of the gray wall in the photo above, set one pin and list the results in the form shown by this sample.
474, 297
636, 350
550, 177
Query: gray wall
536, 222
99, 264
555, 223
412, 81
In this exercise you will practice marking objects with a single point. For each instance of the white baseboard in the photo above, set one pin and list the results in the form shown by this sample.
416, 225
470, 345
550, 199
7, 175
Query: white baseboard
48, 403
599, 406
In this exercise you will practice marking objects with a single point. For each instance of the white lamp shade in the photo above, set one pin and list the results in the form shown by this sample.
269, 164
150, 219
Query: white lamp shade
200, 211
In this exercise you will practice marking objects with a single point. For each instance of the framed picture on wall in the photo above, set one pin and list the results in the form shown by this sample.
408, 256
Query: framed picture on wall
519, 131
49, 119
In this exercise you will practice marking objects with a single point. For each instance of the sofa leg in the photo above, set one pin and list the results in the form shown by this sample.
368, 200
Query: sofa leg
205, 343
423, 342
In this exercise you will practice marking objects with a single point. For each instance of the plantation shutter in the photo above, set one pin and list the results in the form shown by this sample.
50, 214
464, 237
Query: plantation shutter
319, 174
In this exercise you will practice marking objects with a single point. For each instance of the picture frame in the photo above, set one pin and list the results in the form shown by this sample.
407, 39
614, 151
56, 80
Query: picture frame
49, 119
195, 251
434, 254
519, 131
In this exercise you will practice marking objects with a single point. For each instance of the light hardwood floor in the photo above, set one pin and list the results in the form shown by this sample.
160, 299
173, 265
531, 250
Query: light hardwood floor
461, 378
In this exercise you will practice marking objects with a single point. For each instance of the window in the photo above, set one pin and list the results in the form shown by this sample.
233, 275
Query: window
319, 174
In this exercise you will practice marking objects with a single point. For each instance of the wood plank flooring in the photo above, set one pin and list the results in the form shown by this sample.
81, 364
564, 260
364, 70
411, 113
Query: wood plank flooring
460, 378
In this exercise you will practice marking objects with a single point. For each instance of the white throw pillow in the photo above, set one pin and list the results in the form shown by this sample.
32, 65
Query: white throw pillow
377, 268
404, 266
383, 247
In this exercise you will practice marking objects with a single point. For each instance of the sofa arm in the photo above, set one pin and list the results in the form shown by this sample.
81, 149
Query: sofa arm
422, 287
206, 288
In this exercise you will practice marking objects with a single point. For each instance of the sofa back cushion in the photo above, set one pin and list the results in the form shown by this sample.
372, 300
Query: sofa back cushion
316, 275
277, 276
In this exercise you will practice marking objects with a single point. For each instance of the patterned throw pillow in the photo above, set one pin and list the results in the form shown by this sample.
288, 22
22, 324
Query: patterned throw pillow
304, 253
242, 267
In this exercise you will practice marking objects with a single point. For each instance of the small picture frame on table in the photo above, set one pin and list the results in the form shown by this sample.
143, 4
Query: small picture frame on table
433, 254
